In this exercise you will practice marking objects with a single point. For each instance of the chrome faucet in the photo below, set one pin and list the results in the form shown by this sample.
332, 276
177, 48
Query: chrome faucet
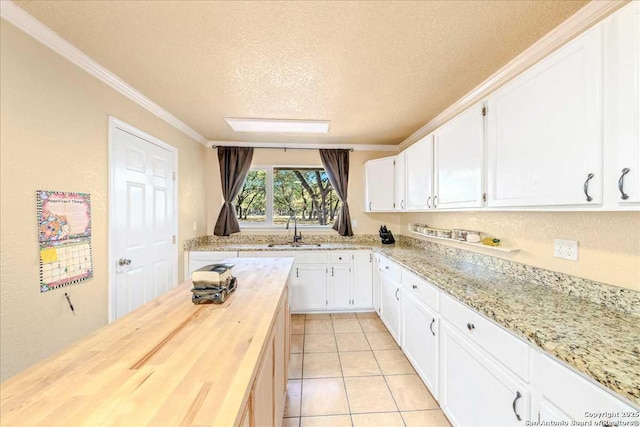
296, 237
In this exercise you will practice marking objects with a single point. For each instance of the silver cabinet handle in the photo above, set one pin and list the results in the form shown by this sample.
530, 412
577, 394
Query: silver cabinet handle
431, 326
586, 187
124, 261
435, 200
429, 202
518, 396
401, 204
624, 196
471, 326
397, 290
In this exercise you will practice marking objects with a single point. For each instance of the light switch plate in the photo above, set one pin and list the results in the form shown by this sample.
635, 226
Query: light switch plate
566, 249
354, 223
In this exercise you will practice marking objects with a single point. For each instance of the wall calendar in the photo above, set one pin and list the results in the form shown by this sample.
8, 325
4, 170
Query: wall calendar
64, 237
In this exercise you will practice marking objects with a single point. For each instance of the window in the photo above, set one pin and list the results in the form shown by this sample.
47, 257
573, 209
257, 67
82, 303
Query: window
272, 194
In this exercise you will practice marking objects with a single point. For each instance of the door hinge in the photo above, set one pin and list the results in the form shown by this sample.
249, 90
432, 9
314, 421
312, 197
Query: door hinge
484, 111
326, 302
394, 163
370, 257
394, 206
349, 269
484, 197
173, 174
174, 239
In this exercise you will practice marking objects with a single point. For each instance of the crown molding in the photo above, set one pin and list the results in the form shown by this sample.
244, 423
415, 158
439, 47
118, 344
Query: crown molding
294, 145
590, 14
17, 16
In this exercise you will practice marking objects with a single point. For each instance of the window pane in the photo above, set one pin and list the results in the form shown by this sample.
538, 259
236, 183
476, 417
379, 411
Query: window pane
251, 203
306, 192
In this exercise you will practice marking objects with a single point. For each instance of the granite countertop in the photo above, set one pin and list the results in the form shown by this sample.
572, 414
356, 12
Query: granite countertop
599, 341
282, 247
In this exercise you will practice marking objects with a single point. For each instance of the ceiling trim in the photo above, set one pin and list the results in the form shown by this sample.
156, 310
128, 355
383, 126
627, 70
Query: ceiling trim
590, 14
293, 145
24, 21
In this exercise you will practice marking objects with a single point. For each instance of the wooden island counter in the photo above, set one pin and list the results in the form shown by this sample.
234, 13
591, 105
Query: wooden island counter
171, 362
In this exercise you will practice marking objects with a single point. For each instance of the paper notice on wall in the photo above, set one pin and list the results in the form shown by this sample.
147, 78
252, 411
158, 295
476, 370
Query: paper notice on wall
64, 236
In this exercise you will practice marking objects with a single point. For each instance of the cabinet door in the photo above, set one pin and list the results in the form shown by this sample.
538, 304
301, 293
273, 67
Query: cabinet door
622, 108
362, 281
340, 285
475, 390
459, 160
379, 184
399, 181
390, 305
309, 288
263, 414
198, 259
420, 340
545, 130
419, 175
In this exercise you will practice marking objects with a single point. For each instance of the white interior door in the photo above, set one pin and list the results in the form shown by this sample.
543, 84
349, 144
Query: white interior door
142, 221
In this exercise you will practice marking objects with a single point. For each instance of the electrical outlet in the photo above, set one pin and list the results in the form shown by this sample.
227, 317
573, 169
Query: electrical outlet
195, 225
567, 249
354, 223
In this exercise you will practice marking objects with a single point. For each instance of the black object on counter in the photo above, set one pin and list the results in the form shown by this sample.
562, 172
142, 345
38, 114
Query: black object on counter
386, 236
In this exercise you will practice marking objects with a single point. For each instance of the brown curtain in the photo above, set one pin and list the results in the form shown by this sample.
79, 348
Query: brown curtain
234, 166
336, 163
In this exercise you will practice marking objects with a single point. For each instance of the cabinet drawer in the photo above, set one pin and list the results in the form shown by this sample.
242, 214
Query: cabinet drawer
390, 268
311, 257
339, 257
571, 393
506, 348
420, 289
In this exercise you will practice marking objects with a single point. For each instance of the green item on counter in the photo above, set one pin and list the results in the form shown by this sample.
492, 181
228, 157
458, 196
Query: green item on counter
490, 241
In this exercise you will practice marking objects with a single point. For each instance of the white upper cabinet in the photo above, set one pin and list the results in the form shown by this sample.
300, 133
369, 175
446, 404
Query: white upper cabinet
399, 182
379, 184
545, 130
459, 160
419, 174
622, 108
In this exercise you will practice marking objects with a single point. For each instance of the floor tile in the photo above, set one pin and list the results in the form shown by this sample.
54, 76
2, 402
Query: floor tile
381, 341
346, 325
367, 315
321, 365
321, 343
295, 366
297, 326
324, 396
383, 419
359, 364
343, 316
410, 393
318, 316
372, 325
369, 394
292, 403
318, 327
393, 362
296, 343
327, 421
354, 341
298, 317
291, 422
433, 418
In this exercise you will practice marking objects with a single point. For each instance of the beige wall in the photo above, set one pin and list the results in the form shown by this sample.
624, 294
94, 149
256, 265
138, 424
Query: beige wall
609, 242
53, 135
367, 223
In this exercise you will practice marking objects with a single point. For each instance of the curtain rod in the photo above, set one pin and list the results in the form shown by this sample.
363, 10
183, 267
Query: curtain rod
279, 148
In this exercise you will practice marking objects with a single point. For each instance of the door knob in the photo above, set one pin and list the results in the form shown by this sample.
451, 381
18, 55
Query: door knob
124, 261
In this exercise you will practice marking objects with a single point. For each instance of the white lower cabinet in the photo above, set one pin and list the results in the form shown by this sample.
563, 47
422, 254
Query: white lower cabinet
420, 339
198, 259
362, 298
310, 287
475, 390
340, 286
390, 310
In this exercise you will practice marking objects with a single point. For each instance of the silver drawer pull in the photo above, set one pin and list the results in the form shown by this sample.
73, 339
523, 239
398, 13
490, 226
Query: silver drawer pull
431, 326
623, 196
586, 187
414, 286
518, 396
471, 326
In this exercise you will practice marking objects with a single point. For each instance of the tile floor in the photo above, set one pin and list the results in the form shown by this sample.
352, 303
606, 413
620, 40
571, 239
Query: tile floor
346, 370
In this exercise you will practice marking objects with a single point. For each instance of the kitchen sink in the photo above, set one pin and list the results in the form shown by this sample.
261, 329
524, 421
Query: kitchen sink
294, 245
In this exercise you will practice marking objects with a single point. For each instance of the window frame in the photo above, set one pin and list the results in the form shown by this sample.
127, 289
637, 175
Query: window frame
268, 224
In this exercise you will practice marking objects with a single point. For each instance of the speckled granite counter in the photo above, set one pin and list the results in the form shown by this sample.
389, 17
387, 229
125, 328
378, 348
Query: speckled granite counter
595, 339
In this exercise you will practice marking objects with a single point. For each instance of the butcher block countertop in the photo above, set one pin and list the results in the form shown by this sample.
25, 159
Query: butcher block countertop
170, 362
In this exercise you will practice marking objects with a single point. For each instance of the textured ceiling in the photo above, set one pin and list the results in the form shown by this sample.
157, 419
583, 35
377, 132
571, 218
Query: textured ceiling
378, 70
